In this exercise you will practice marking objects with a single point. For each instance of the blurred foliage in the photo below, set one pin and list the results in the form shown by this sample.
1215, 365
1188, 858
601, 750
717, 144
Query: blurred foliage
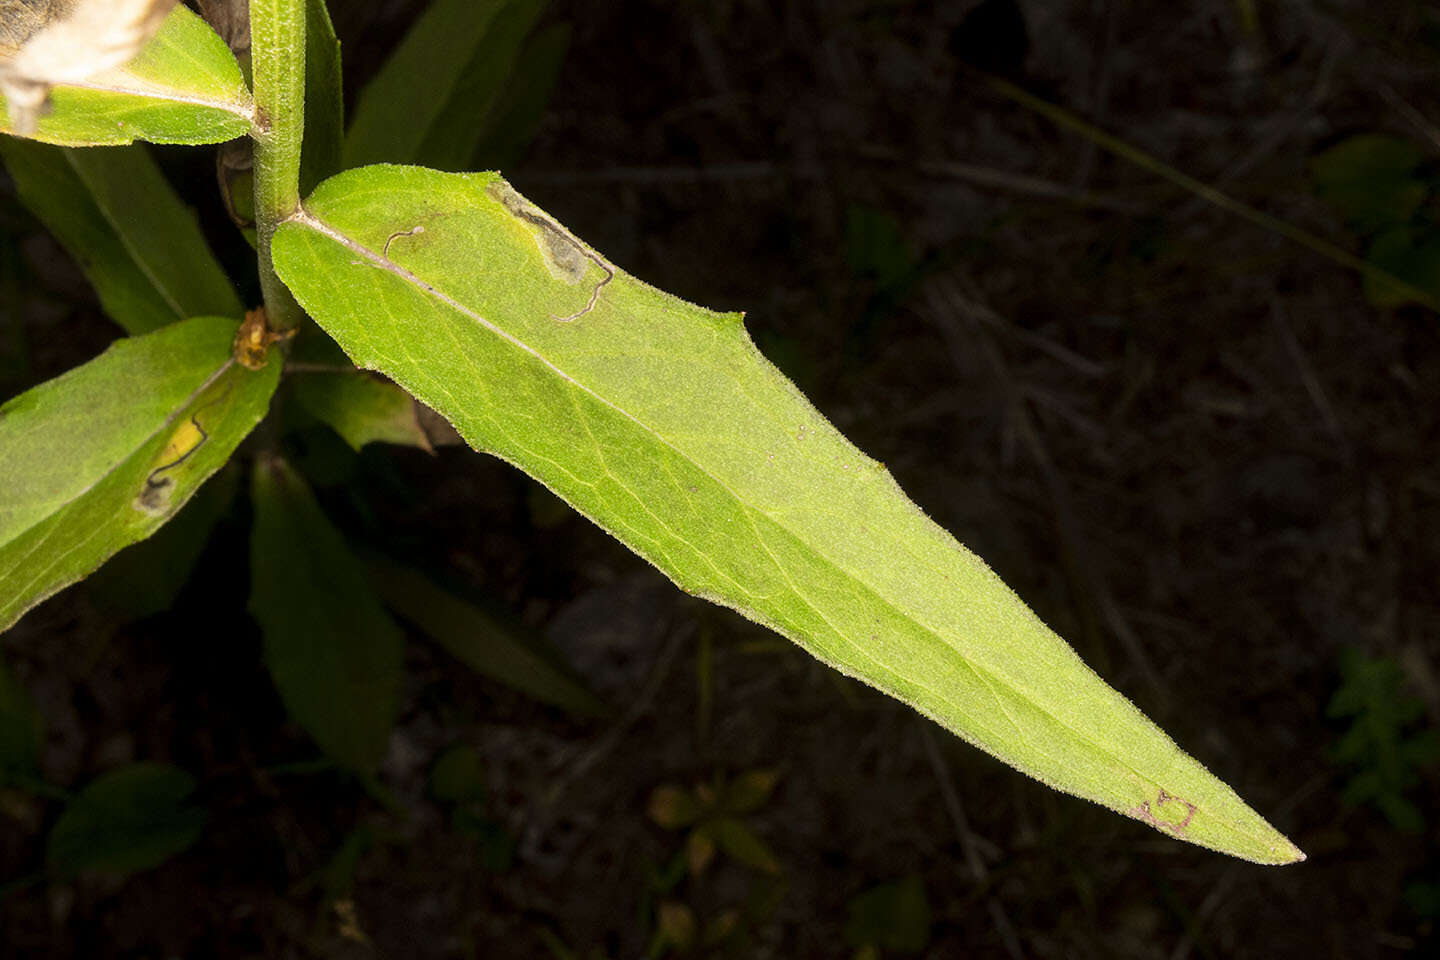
891, 916
130, 819
1386, 745
1382, 189
457, 780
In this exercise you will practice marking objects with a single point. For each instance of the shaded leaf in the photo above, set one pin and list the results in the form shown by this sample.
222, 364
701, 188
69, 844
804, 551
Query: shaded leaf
660, 421
146, 578
324, 106
458, 775
1370, 180
130, 819
699, 852
892, 916
361, 409
748, 792
480, 641
21, 730
117, 215
397, 109
479, 94
337, 878
675, 925
741, 843
333, 651
672, 808
512, 123
184, 86
105, 454
1409, 253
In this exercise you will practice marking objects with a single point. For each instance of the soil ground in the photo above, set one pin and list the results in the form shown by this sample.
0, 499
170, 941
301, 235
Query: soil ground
1190, 444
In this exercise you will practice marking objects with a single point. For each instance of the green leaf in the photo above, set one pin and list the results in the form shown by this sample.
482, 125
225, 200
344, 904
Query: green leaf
146, 578
480, 641
740, 843
672, 807
458, 130
458, 775
398, 109
324, 104
117, 215
21, 730
183, 87
125, 821
663, 423
748, 791
361, 408
1409, 253
511, 124
893, 916
333, 651
1370, 180
105, 454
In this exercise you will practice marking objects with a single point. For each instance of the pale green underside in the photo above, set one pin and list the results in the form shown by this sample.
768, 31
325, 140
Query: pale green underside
662, 422
183, 87
85, 461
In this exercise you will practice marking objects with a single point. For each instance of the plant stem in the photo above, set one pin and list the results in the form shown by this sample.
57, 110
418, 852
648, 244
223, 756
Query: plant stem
277, 58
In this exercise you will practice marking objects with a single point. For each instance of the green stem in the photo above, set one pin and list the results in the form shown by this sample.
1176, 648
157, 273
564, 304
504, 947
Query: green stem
277, 58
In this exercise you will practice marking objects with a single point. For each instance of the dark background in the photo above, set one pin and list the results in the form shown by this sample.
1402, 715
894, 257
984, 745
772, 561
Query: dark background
1190, 444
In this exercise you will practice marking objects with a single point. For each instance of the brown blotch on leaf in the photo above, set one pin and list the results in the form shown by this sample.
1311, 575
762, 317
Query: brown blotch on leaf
1150, 815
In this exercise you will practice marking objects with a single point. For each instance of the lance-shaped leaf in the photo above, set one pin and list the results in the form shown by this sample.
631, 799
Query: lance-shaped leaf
482, 642
117, 215
100, 457
400, 107
130, 819
662, 422
324, 104
184, 86
333, 651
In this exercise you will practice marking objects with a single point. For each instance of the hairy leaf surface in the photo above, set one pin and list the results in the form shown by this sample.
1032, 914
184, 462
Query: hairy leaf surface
101, 456
184, 86
662, 422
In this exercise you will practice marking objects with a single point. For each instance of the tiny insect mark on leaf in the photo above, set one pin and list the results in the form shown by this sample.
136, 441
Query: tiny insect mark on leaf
1169, 813
565, 256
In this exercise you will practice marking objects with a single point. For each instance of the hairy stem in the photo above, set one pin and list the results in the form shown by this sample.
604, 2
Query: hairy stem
277, 52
